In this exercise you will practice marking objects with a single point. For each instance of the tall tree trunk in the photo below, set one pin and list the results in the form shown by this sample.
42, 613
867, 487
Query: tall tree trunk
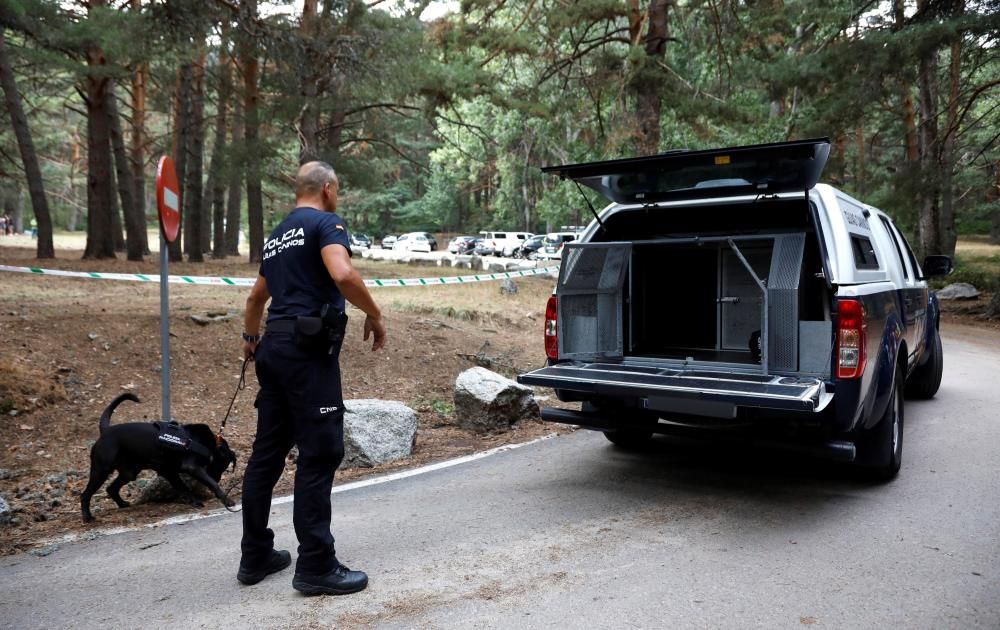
911, 152
859, 174
309, 84
75, 162
255, 202
648, 79
216, 170
946, 229
100, 239
929, 221
995, 197
117, 234
138, 141
196, 152
182, 124
235, 168
135, 219
32, 172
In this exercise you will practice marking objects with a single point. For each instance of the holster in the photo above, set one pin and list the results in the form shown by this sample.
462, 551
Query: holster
321, 334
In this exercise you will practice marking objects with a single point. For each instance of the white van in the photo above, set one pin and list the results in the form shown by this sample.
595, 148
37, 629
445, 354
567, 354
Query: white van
506, 243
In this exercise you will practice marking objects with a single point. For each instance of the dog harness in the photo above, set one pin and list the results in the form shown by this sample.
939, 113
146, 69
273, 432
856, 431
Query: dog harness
174, 437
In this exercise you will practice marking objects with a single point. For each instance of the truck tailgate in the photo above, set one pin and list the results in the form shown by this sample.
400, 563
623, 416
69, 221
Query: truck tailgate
661, 388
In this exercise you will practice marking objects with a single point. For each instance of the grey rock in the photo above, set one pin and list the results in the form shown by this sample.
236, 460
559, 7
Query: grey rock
56, 478
508, 287
5, 473
958, 291
377, 431
41, 552
487, 402
159, 490
6, 514
204, 320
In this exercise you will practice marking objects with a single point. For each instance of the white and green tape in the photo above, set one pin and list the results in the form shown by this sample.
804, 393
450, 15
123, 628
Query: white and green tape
247, 282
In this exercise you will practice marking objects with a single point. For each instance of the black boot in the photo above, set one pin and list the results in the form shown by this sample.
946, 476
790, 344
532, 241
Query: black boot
277, 561
340, 581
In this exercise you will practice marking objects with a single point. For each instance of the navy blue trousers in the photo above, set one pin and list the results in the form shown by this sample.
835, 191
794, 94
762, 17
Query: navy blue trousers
300, 402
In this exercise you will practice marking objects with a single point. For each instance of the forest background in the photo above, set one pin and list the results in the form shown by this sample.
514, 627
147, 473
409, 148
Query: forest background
437, 116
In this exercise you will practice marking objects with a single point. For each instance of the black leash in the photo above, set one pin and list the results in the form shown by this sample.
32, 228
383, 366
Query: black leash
239, 387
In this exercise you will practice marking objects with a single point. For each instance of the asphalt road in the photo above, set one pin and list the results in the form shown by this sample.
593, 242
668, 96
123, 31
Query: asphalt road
571, 532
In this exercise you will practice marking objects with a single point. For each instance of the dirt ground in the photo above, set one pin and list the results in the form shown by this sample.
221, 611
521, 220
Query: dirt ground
68, 346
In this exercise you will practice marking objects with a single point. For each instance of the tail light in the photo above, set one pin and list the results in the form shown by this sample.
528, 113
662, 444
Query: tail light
551, 330
850, 338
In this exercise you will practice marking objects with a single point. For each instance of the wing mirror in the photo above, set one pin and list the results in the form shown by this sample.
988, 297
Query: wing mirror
936, 266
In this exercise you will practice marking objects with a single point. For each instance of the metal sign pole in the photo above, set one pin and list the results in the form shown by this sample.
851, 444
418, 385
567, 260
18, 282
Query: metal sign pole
168, 205
164, 335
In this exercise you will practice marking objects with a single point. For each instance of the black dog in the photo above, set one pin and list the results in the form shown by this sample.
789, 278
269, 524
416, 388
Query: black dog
136, 446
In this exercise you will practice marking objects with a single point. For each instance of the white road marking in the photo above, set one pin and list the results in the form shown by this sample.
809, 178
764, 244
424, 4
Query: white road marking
347, 487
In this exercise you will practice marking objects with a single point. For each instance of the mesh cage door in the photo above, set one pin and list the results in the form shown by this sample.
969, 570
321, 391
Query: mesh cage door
590, 300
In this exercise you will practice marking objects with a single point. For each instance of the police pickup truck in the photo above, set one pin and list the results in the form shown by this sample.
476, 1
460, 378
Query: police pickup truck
727, 289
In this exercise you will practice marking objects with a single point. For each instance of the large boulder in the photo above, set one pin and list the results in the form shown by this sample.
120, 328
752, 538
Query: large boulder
377, 431
488, 402
958, 291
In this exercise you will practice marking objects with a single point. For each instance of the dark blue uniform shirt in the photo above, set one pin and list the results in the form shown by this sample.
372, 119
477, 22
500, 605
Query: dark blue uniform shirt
297, 280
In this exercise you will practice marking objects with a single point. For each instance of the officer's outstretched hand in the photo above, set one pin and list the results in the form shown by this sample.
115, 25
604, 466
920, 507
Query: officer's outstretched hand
375, 326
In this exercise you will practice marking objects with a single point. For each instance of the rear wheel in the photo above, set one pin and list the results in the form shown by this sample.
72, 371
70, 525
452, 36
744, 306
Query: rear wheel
926, 379
635, 427
881, 450
629, 439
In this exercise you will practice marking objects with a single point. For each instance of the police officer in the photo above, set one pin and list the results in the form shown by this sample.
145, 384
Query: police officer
307, 273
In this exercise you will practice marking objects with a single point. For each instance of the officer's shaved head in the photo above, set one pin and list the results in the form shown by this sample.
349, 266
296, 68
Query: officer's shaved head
313, 177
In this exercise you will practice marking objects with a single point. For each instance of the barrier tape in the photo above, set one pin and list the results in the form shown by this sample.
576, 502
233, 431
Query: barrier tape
248, 282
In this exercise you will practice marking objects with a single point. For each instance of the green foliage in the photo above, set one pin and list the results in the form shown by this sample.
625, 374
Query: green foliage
444, 125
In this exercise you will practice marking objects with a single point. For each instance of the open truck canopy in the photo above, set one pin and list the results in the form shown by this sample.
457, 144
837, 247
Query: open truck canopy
748, 170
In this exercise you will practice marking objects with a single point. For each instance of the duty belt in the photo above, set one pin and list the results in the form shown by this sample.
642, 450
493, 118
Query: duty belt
280, 326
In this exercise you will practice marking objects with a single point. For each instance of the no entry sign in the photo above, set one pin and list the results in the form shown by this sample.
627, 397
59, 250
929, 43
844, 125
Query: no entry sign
168, 198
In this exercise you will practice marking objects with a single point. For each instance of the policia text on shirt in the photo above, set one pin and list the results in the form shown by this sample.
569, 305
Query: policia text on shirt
307, 274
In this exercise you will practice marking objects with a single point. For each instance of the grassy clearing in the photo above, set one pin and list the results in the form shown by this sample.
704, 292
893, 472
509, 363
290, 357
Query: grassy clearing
481, 302
976, 262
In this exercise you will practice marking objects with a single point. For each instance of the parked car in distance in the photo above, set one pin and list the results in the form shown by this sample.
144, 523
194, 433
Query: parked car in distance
552, 245
506, 243
530, 247
388, 241
727, 290
430, 239
483, 247
412, 242
361, 240
462, 244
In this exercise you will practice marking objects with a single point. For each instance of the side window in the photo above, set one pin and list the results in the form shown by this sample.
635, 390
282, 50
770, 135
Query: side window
895, 241
909, 252
864, 253
500, 236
